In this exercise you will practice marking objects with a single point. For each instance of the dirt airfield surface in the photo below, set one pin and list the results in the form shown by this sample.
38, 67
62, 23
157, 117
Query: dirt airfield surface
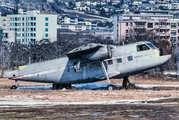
161, 101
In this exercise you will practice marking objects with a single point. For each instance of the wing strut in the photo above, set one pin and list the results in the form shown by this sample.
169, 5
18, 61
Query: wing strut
110, 86
105, 72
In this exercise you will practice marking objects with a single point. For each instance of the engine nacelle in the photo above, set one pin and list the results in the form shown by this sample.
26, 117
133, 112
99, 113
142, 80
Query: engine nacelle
92, 52
101, 54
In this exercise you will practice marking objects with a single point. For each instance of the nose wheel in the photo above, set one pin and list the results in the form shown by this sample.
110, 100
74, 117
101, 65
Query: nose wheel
15, 86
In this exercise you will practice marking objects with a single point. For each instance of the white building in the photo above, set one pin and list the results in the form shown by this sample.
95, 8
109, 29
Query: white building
3, 22
73, 27
33, 26
8, 35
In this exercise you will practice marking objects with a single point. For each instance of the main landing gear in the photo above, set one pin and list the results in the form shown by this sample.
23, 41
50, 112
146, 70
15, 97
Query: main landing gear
16, 85
126, 83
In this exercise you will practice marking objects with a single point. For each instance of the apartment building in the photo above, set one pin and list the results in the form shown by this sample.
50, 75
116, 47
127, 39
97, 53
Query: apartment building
163, 29
120, 20
32, 26
8, 36
3, 22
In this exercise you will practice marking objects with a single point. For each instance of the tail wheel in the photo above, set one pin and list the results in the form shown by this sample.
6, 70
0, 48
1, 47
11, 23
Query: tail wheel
14, 87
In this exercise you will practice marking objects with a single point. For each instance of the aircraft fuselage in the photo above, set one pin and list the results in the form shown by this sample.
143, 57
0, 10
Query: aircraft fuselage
126, 60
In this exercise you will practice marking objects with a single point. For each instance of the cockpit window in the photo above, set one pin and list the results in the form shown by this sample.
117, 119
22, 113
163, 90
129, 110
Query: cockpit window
142, 47
151, 45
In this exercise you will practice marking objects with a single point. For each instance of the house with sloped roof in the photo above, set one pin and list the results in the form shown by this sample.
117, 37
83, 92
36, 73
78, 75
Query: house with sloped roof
69, 19
108, 8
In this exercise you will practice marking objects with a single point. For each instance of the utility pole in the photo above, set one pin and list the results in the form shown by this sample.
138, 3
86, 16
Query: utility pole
2, 53
177, 68
176, 58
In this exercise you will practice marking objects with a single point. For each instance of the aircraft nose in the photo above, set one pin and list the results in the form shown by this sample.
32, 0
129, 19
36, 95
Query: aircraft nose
164, 59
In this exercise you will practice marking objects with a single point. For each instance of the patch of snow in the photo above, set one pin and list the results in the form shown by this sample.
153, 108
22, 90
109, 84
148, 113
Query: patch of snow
31, 103
63, 89
104, 94
39, 96
134, 116
10, 96
151, 86
160, 98
170, 73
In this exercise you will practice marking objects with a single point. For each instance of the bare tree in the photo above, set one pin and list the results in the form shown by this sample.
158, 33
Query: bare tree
16, 54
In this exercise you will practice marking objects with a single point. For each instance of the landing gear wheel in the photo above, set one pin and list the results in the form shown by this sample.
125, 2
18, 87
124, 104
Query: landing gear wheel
131, 86
111, 87
15, 86
124, 83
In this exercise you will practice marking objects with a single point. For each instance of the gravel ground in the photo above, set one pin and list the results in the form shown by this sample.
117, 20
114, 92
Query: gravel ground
88, 95
158, 103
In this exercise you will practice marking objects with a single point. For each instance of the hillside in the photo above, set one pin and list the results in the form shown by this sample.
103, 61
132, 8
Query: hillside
45, 5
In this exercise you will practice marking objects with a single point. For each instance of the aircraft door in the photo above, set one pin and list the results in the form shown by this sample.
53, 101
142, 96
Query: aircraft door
128, 61
111, 67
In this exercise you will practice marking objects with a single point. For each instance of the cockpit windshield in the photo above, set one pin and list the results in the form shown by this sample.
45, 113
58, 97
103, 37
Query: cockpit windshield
151, 45
142, 47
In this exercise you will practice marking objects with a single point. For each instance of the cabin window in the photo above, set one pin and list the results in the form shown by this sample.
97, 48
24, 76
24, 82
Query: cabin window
110, 62
130, 58
119, 60
142, 47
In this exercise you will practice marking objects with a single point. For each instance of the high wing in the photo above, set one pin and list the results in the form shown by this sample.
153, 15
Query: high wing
91, 52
